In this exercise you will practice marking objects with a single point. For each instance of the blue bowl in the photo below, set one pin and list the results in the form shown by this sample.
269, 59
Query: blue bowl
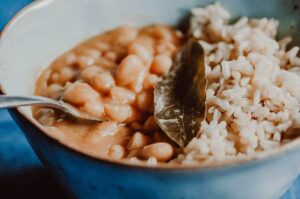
45, 29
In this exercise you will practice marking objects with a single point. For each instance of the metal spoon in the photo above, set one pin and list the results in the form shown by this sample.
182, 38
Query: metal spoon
7, 101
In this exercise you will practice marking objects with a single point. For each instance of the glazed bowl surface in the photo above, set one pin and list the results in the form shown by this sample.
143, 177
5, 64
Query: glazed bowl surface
45, 29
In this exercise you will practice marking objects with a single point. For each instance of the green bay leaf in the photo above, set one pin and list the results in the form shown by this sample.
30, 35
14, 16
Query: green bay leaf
180, 97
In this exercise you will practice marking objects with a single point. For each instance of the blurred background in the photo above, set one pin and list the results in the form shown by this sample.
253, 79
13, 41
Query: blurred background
21, 173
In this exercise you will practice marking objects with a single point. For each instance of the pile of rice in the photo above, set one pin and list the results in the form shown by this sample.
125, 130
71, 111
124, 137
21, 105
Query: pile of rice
253, 93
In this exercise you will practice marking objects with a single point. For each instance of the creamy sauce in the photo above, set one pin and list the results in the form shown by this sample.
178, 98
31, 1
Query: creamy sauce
125, 135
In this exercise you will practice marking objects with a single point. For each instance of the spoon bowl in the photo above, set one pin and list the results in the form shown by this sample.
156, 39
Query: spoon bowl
7, 101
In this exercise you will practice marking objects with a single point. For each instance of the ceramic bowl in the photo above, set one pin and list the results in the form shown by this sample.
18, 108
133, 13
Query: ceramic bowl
45, 29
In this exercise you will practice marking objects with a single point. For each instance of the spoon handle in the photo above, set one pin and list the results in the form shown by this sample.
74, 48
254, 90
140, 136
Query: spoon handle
9, 101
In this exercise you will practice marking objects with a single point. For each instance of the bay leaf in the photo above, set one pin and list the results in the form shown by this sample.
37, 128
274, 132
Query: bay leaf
179, 99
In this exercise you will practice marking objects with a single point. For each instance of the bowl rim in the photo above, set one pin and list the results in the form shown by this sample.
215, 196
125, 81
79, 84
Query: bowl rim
256, 158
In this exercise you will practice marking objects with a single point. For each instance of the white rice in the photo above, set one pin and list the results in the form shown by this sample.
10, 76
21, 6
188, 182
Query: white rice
253, 94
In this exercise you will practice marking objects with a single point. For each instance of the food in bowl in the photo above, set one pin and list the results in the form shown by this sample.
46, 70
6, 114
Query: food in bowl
252, 93
112, 76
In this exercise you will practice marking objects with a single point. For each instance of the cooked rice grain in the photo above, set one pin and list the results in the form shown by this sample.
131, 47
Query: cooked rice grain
253, 94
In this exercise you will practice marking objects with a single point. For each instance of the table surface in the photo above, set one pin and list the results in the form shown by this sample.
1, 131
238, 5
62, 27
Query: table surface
21, 173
